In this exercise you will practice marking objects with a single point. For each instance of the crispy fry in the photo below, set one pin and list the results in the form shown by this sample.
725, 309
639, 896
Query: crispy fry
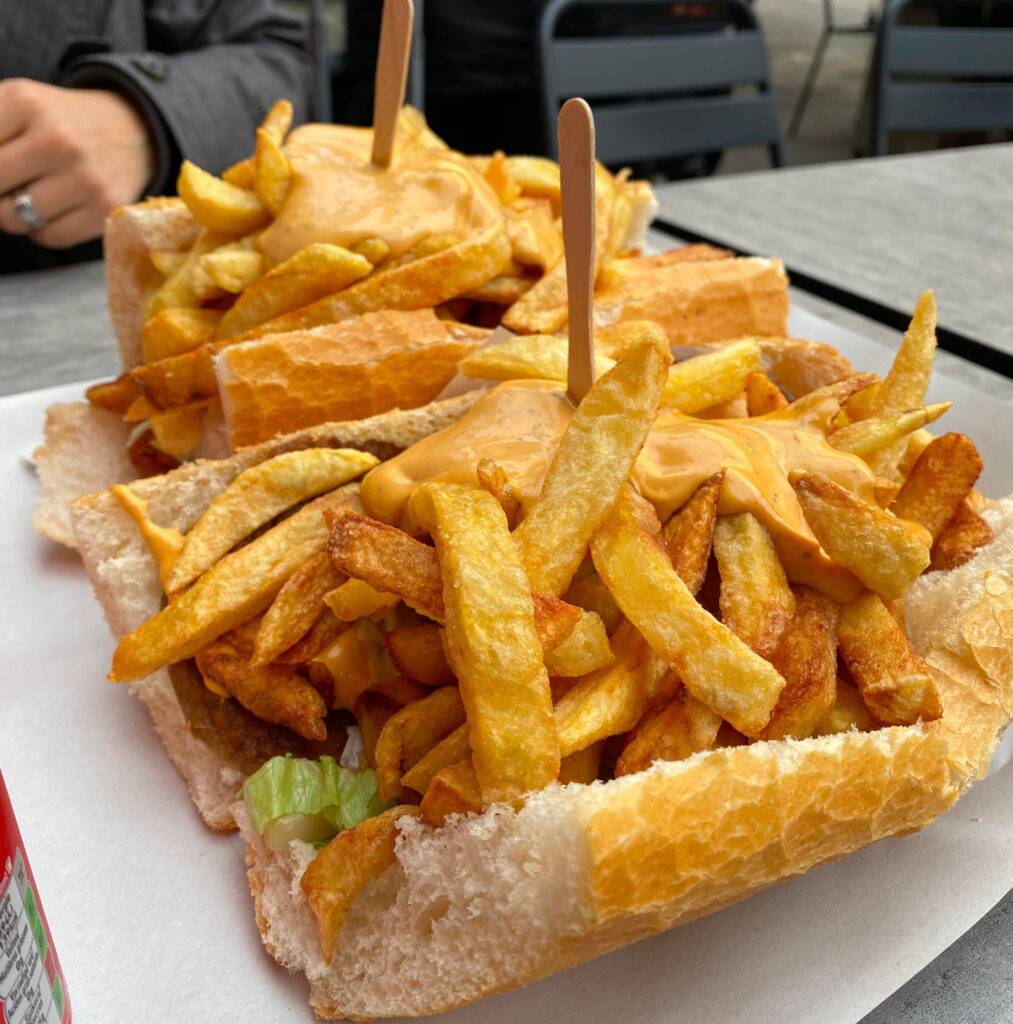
866, 437
177, 289
495, 172
454, 790
179, 431
240, 174
346, 660
411, 733
317, 270
534, 240
715, 665
593, 459
496, 482
324, 631
417, 652
525, 357
217, 205
453, 748
376, 250
807, 658
271, 172
501, 290
372, 712
115, 395
588, 591
232, 268
275, 693
256, 496
848, 712
278, 120
939, 482
297, 606
703, 381
492, 644
756, 601
581, 766
339, 872
614, 339
762, 394
584, 650
356, 599
682, 727
687, 536
167, 261
175, 331
231, 592
884, 552
894, 681
960, 538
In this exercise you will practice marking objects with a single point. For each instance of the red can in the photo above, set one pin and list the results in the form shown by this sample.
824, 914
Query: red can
32, 988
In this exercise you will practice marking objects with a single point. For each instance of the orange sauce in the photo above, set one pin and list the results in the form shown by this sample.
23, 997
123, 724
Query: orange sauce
336, 195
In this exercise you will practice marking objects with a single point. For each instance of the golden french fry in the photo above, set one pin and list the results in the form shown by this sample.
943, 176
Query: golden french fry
295, 609
372, 712
496, 482
455, 747
176, 291
714, 664
534, 240
614, 339
884, 552
492, 644
277, 121
502, 290
587, 591
526, 357
217, 205
240, 174
346, 662
894, 681
174, 331
417, 652
454, 790
275, 693
807, 658
271, 172
705, 380
376, 250
320, 636
356, 599
232, 269
167, 261
341, 869
960, 538
537, 176
591, 463
495, 172
411, 733
179, 431
317, 270
141, 409
115, 395
256, 496
234, 590
866, 437
848, 712
939, 482
584, 650
682, 727
581, 766
687, 536
756, 601
762, 394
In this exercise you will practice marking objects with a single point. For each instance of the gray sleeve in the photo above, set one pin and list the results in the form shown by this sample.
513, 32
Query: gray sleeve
212, 70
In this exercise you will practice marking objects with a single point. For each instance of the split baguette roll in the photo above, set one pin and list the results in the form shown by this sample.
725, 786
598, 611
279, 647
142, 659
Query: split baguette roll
126, 581
500, 899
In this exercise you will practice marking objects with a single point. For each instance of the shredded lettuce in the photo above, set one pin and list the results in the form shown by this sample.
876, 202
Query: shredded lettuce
296, 798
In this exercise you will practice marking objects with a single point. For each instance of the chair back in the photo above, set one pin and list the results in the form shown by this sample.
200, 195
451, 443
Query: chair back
909, 52
662, 95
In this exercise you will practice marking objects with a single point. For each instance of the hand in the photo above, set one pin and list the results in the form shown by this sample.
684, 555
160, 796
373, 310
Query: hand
79, 152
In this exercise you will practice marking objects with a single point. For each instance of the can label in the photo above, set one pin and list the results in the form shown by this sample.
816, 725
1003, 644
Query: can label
32, 989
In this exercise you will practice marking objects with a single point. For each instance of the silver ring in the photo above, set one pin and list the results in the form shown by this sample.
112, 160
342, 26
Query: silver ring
24, 207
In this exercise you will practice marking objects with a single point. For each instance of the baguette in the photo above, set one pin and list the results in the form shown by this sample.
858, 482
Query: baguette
493, 901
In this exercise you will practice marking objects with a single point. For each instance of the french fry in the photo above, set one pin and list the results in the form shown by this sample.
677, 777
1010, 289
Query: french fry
593, 459
492, 644
688, 535
534, 240
537, 176
682, 727
346, 662
501, 290
240, 174
175, 331
232, 268
356, 599
588, 591
167, 261
866, 437
389, 560
756, 601
584, 650
372, 712
939, 482
217, 205
807, 658
884, 552
296, 607
177, 291
455, 747
495, 172
581, 766
714, 664
318, 269
256, 496
525, 357
179, 431
272, 172
275, 693
338, 873
496, 482
417, 652
960, 538
454, 790
236, 588
614, 339
894, 681
762, 394
411, 733
848, 712
277, 121
324, 631
705, 380
376, 250
115, 395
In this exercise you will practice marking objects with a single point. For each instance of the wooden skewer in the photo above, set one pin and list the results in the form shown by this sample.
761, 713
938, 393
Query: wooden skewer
391, 75
575, 132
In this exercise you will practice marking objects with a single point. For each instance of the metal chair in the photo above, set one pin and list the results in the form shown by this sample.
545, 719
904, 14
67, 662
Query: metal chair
649, 93
947, 53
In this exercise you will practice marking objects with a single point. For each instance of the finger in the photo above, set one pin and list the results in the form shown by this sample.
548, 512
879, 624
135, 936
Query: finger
26, 158
19, 98
81, 224
52, 197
